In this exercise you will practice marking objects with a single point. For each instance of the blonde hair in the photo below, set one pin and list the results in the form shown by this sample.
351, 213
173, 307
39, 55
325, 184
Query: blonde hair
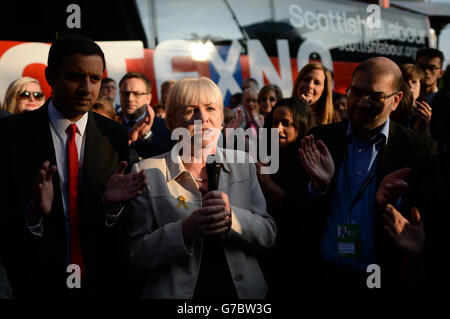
16, 87
191, 91
323, 110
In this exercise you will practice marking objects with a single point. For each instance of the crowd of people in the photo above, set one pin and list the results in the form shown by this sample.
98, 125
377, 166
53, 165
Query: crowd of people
101, 186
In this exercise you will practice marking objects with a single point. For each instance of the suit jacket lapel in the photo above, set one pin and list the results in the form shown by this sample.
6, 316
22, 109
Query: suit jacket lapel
96, 166
392, 154
45, 150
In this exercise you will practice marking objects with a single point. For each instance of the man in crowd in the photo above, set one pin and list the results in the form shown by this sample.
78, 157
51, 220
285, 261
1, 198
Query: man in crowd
61, 185
430, 61
344, 165
148, 133
108, 91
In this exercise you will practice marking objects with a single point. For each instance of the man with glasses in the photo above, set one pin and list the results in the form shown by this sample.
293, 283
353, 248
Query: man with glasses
343, 166
147, 133
430, 61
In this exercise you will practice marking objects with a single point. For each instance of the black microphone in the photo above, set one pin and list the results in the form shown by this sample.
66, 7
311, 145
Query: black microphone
213, 172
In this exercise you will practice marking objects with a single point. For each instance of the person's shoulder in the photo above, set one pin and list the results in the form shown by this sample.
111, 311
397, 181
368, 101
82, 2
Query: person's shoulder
106, 124
416, 141
4, 113
159, 161
22, 123
332, 130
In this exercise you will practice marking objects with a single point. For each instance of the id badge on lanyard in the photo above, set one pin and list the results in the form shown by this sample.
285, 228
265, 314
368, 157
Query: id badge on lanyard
349, 235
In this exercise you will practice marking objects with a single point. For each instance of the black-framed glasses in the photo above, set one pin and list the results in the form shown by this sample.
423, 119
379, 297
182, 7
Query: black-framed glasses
374, 97
28, 94
134, 93
108, 87
429, 67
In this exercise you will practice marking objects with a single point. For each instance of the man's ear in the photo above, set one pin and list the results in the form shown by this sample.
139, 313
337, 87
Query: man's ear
441, 73
396, 101
50, 76
149, 98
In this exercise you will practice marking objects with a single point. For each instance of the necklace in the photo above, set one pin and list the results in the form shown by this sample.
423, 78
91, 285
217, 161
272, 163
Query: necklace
200, 179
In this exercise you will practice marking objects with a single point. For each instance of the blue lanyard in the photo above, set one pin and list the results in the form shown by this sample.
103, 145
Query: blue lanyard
364, 185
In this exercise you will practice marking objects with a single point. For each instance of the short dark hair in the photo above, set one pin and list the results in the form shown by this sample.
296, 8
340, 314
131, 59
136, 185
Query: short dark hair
107, 80
270, 87
250, 80
137, 75
72, 44
431, 53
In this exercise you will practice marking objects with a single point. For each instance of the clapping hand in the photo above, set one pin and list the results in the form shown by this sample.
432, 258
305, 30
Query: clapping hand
392, 187
122, 187
140, 128
318, 163
214, 218
423, 111
408, 236
42, 200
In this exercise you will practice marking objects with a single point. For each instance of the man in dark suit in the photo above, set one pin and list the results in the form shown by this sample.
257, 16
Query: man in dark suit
60, 185
4, 113
342, 172
149, 134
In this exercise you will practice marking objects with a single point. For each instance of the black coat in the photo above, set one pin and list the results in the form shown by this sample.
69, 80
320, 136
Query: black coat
36, 266
308, 219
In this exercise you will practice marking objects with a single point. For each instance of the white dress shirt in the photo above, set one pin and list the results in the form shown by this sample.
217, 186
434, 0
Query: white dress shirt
60, 136
59, 130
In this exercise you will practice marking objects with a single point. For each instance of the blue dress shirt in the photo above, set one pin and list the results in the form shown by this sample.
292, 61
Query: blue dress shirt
361, 160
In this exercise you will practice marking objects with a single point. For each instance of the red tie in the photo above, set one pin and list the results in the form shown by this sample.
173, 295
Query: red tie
76, 256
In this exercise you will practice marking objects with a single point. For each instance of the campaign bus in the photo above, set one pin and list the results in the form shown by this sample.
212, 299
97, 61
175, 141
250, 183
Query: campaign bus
230, 40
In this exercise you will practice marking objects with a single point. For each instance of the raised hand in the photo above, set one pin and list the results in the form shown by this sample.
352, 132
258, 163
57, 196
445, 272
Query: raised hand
423, 111
122, 187
318, 162
408, 236
42, 197
240, 117
140, 128
392, 187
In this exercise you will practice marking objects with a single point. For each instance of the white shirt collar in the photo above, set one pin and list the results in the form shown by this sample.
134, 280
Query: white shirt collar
60, 123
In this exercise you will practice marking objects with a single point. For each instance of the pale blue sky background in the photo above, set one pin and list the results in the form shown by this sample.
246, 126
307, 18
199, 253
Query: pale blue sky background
444, 38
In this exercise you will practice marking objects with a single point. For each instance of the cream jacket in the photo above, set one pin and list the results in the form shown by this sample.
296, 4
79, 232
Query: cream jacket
155, 228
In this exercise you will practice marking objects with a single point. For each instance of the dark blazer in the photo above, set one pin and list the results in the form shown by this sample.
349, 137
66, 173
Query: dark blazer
405, 148
158, 143
37, 266
4, 113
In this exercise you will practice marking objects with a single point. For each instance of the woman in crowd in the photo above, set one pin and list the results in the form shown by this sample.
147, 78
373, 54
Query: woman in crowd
22, 95
194, 241
160, 109
105, 107
313, 84
340, 106
253, 116
293, 119
413, 112
268, 96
